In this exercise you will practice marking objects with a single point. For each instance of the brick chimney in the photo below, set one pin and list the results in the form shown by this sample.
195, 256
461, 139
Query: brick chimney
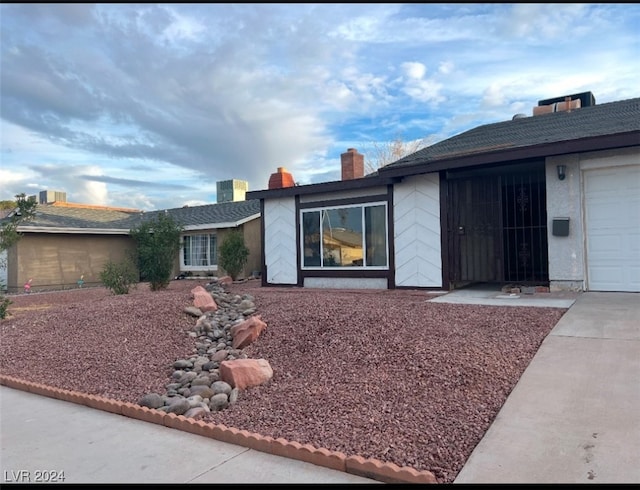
352, 164
281, 179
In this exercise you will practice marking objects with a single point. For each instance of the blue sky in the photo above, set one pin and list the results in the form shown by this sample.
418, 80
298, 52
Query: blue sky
147, 106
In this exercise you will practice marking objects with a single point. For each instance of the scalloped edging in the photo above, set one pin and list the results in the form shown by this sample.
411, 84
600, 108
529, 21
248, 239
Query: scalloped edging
356, 465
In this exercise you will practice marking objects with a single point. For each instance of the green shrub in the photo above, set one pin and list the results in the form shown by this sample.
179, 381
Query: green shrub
233, 254
158, 244
120, 277
4, 306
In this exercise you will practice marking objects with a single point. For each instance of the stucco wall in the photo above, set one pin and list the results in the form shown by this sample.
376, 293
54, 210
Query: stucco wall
564, 200
280, 245
416, 214
567, 261
345, 283
55, 261
252, 240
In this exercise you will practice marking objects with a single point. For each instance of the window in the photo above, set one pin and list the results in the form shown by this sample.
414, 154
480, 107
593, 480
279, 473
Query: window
199, 252
349, 236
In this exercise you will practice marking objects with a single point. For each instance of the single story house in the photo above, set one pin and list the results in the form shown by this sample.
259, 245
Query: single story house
551, 199
67, 245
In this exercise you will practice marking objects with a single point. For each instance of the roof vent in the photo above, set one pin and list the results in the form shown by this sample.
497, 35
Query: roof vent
518, 116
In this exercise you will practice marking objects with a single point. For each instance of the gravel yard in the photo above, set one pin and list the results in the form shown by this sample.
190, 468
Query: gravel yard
380, 374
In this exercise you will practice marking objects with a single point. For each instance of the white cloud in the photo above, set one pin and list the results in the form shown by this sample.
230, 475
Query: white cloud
158, 102
414, 70
183, 27
446, 67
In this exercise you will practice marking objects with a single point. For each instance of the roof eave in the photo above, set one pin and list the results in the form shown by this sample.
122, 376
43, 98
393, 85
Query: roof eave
73, 231
126, 231
334, 186
217, 226
596, 143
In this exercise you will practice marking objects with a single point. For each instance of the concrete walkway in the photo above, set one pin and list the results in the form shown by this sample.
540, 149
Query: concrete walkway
574, 416
45, 437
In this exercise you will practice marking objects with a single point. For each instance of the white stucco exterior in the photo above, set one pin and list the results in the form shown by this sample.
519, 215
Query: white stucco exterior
280, 247
568, 259
416, 214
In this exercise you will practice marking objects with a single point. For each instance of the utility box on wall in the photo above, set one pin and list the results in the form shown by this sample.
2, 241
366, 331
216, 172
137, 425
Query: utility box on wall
560, 227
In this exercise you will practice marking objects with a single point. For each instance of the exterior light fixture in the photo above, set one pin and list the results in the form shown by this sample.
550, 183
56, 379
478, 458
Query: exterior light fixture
561, 171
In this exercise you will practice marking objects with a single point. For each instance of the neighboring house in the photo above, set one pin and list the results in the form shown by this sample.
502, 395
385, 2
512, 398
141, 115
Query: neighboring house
3, 255
66, 242
552, 199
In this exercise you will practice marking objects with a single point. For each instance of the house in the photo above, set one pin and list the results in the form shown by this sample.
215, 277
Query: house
67, 242
551, 199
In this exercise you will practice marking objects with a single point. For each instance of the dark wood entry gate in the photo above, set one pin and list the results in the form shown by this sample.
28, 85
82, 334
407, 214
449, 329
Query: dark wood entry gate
497, 226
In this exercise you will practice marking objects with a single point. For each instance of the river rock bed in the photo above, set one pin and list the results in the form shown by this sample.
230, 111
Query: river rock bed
195, 387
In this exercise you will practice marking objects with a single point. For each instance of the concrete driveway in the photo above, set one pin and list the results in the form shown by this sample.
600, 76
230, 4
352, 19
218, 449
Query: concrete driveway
574, 416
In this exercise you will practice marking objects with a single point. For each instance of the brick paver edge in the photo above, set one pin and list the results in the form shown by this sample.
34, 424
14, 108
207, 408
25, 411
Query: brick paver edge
356, 465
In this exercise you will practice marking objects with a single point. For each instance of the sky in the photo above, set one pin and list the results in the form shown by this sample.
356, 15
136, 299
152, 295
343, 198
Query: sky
148, 106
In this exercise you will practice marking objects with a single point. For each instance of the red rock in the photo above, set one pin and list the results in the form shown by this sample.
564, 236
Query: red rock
225, 281
203, 300
245, 373
247, 332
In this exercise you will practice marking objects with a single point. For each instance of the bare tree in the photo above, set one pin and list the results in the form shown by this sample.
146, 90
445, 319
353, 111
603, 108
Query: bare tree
378, 154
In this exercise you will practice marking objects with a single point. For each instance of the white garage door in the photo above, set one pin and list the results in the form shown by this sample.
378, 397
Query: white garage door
612, 200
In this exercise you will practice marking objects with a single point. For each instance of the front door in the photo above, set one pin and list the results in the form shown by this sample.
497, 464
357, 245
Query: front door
497, 226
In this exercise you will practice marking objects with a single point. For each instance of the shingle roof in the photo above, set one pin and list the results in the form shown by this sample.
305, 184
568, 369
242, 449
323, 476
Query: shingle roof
594, 121
66, 218
224, 212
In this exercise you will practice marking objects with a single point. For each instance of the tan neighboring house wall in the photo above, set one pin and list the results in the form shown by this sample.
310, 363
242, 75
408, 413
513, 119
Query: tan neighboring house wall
67, 242
252, 239
57, 261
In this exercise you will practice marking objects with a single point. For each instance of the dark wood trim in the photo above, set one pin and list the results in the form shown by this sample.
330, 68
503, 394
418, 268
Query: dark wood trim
263, 258
344, 202
351, 273
444, 231
299, 279
328, 187
280, 285
419, 288
391, 282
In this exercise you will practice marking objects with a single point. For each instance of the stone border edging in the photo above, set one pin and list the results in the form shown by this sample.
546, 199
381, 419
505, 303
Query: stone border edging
356, 465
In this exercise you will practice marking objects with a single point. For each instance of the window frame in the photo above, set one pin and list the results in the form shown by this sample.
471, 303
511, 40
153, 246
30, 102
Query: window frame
362, 206
210, 267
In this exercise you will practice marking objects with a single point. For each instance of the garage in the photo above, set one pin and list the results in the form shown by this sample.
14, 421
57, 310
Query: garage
612, 220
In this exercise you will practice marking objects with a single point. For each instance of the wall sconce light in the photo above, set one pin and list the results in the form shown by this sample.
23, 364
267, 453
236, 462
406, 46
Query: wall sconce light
561, 171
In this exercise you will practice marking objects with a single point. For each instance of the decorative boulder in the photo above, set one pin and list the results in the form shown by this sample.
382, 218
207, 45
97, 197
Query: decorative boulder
203, 300
246, 332
245, 373
225, 281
